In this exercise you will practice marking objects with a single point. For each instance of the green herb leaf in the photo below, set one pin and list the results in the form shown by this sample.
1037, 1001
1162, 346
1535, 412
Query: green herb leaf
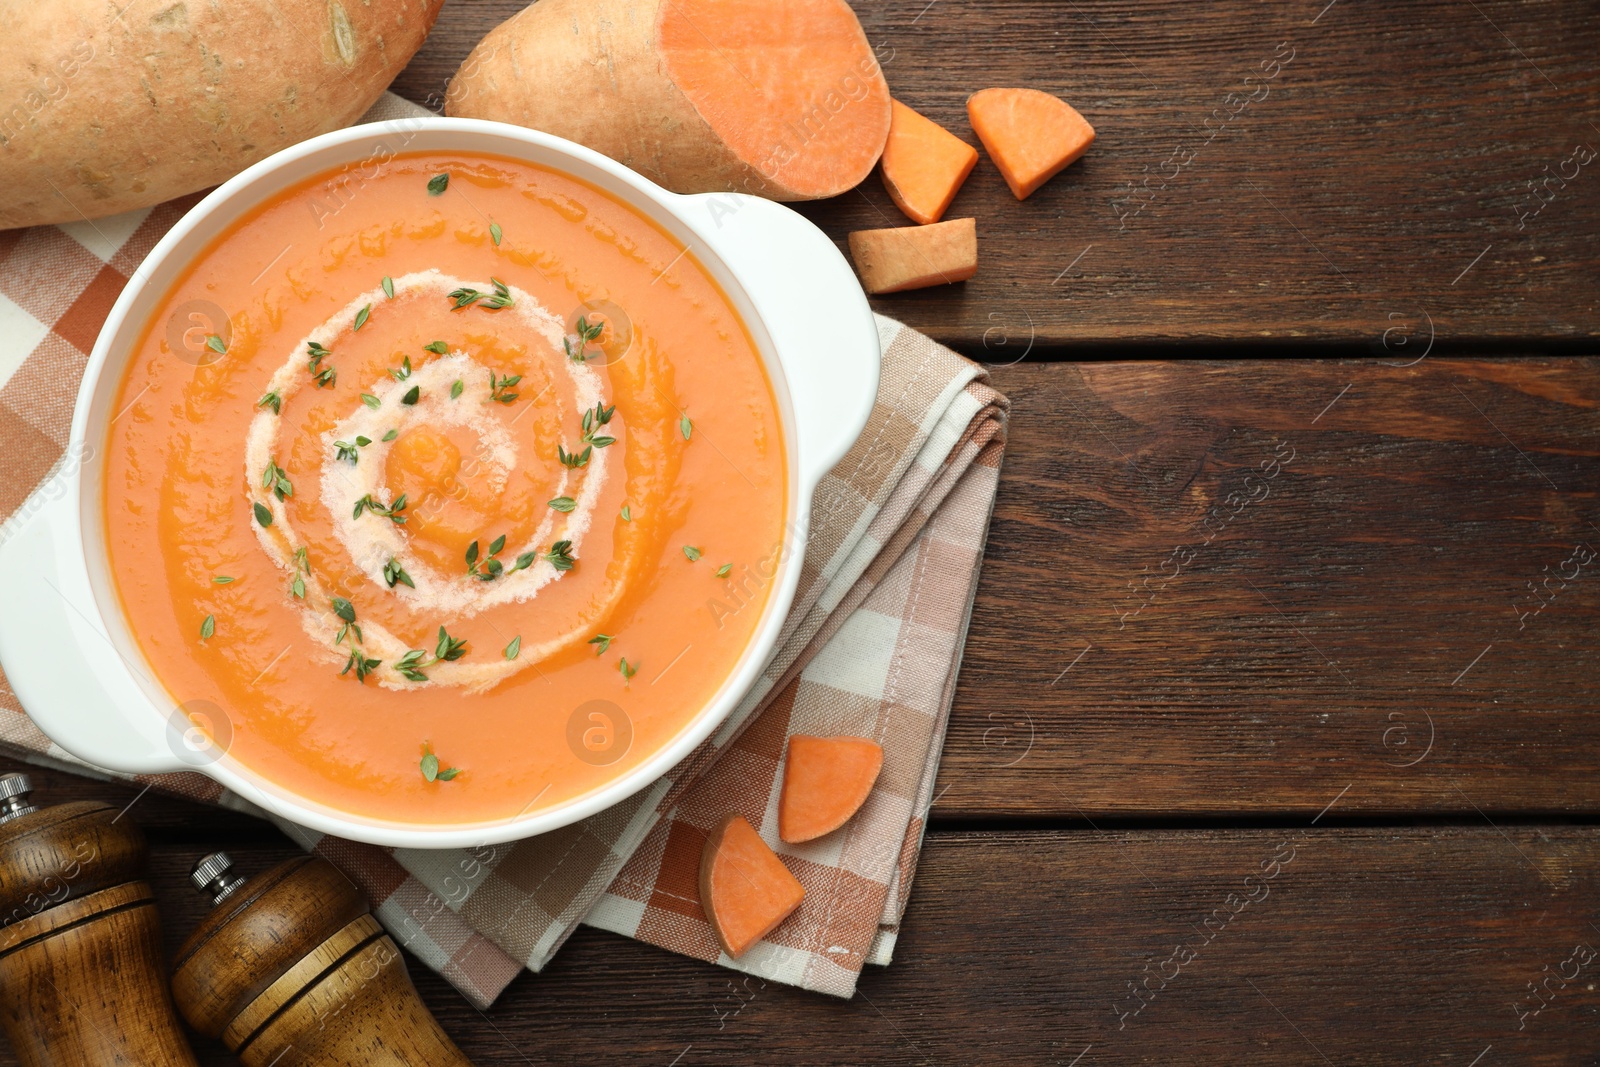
574, 460
362, 316
498, 384
391, 435
394, 573
494, 232
263, 516
685, 427
525, 561
692, 552
215, 343
514, 648
456, 388
343, 608
560, 556
412, 395
438, 184
628, 669
449, 648
271, 400
437, 347
430, 766
724, 570
627, 513
497, 544
298, 587
388, 287
449, 773
601, 643
563, 503
208, 627
371, 401
222, 579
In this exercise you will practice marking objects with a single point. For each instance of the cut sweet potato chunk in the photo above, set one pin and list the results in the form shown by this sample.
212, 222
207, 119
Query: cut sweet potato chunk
913, 257
825, 781
745, 889
1031, 136
923, 164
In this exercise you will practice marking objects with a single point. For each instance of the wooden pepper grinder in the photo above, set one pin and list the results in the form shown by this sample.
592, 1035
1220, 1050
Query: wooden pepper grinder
292, 969
81, 979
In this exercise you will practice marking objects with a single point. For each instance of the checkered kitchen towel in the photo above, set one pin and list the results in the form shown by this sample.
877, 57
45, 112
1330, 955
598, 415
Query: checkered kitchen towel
871, 648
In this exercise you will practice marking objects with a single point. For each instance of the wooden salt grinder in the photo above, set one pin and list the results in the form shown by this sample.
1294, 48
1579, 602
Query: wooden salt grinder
81, 981
291, 969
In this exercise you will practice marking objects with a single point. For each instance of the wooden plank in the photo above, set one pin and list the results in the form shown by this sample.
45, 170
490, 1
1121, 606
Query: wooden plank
1166, 628
1369, 946
1380, 188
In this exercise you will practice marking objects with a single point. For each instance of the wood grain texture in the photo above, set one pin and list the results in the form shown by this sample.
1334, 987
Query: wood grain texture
1406, 177
1367, 946
1253, 643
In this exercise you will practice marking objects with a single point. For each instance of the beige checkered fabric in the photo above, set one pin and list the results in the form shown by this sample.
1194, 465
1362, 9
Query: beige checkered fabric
871, 648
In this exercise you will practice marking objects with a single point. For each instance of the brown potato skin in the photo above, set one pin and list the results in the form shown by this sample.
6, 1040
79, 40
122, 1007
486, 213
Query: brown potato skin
107, 113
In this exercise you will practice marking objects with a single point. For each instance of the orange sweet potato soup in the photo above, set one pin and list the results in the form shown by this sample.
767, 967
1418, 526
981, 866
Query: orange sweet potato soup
457, 484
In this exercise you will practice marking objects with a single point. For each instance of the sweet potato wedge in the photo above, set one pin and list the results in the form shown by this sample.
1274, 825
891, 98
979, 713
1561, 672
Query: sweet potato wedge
913, 257
1031, 136
825, 781
745, 889
923, 165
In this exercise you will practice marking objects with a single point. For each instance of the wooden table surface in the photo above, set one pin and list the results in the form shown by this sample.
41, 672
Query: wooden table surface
1374, 673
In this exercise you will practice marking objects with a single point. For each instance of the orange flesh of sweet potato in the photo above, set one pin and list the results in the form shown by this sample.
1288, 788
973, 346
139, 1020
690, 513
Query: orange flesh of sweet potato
792, 88
923, 164
825, 781
1030, 135
912, 257
745, 889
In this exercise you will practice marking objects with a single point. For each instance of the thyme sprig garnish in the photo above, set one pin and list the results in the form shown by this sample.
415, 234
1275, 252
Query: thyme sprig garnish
346, 451
595, 418
574, 459
208, 627
431, 771
413, 663
263, 514
361, 317
302, 564
216, 344
628, 669
412, 395
404, 372
498, 384
491, 567
692, 552
601, 643
388, 287
437, 347
586, 332
685, 427
724, 570
322, 376
514, 649
222, 579
563, 504
271, 399
276, 479
371, 401
438, 183
388, 511
500, 298
395, 574
560, 556
495, 233
456, 388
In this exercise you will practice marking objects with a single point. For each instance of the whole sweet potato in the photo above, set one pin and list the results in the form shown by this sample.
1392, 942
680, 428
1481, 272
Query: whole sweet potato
112, 105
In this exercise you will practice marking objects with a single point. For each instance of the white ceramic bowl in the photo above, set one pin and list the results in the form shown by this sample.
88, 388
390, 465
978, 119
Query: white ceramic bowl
65, 644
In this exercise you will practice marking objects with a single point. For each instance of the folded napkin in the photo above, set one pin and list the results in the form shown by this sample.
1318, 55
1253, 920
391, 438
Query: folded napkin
871, 648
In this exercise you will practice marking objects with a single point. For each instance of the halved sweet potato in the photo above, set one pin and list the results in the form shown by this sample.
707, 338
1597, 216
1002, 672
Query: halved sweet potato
913, 257
1031, 136
745, 889
825, 781
923, 164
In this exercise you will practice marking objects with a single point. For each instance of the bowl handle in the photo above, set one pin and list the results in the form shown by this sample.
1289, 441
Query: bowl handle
814, 310
58, 657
